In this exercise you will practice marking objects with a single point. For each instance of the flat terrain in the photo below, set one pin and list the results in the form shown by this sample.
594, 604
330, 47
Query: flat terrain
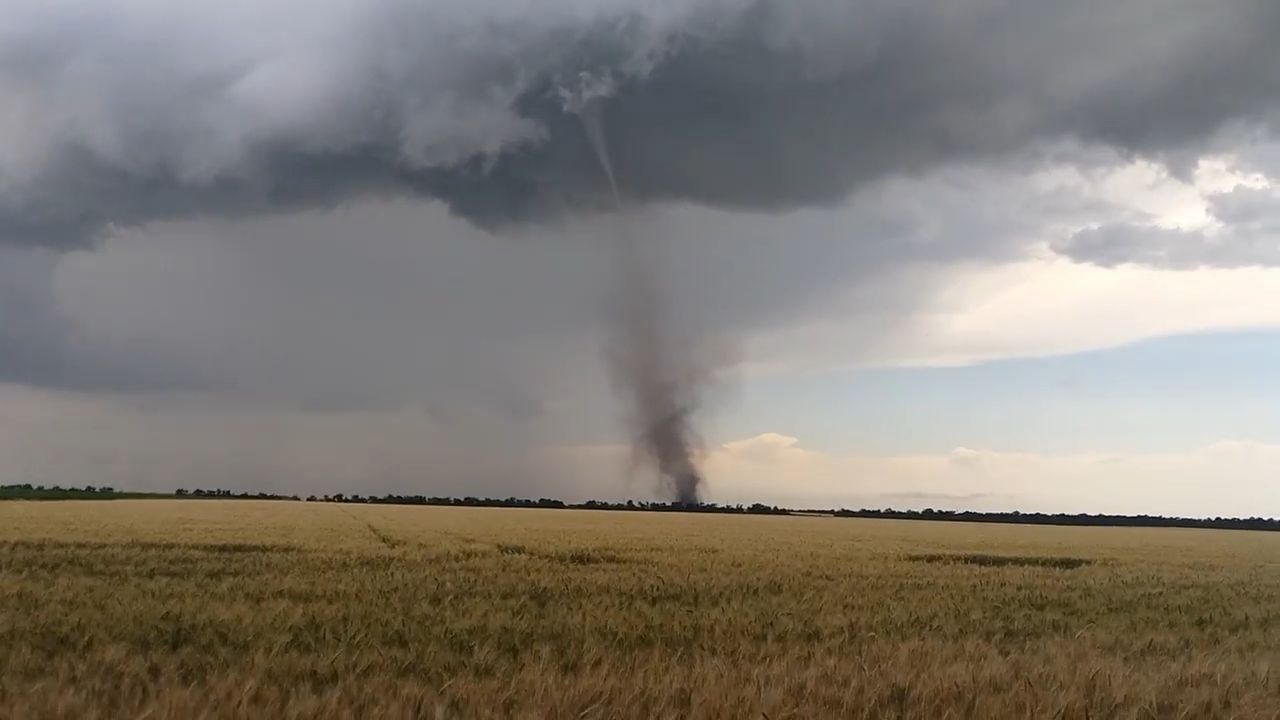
164, 608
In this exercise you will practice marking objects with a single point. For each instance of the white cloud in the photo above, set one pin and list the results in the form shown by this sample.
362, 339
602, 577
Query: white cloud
1044, 307
1032, 301
1036, 307
1225, 216
1226, 478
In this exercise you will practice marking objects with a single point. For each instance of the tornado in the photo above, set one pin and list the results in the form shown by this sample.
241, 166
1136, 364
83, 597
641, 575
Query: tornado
659, 382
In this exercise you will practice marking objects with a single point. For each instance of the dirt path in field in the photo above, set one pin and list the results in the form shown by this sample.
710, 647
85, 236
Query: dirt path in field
390, 542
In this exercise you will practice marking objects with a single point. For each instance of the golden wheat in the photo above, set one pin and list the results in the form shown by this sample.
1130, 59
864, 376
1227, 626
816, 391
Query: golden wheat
256, 609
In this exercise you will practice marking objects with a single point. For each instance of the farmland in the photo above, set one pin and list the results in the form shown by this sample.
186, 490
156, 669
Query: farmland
170, 608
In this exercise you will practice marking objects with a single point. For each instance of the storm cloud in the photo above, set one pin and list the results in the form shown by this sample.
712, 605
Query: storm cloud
316, 232
122, 112
1245, 233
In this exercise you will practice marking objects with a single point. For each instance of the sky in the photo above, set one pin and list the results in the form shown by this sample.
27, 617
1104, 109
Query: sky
973, 254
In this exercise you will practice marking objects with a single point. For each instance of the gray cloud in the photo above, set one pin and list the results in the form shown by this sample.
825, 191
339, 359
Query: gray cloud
166, 441
1247, 235
1255, 211
40, 345
1111, 245
387, 211
388, 346
127, 112
383, 304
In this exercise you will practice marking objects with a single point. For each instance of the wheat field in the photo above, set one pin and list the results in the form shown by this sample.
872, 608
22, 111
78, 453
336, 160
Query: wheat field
181, 609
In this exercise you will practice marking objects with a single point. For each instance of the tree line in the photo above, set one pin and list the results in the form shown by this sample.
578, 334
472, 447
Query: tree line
55, 492
1014, 517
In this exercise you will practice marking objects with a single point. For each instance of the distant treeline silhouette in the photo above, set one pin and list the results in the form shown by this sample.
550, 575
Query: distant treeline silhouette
27, 491
40, 492
1015, 517
1021, 518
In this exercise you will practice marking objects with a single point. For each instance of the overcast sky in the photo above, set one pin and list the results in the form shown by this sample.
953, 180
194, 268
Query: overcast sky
966, 254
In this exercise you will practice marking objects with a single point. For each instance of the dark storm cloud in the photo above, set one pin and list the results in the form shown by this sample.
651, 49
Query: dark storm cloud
379, 304
126, 111
239, 171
